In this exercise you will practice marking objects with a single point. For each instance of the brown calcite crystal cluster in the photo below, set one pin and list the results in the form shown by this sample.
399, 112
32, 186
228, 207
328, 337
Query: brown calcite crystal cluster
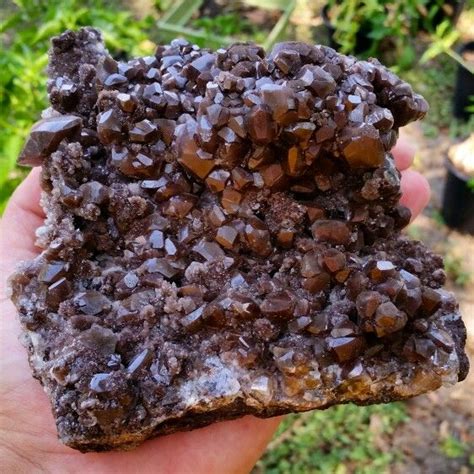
223, 238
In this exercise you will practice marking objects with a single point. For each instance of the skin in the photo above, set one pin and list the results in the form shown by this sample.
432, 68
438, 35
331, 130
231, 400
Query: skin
28, 441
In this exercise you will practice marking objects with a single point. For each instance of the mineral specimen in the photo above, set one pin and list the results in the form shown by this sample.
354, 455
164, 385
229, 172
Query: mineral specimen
223, 238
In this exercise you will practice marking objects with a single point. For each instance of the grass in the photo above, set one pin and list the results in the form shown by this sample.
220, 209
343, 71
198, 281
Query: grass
342, 439
456, 270
228, 25
435, 82
452, 448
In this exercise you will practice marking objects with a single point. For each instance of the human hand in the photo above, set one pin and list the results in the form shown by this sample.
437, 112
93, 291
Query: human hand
28, 441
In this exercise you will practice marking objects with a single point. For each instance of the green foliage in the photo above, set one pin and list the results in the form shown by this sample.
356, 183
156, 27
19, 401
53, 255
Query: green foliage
461, 128
9, 185
162, 5
388, 27
438, 218
456, 271
329, 440
451, 447
435, 82
441, 48
229, 24
470, 107
442, 41
430, 130
266, 4
25, 35
354, 16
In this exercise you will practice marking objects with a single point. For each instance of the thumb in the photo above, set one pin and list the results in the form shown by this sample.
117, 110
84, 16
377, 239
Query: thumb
21, 218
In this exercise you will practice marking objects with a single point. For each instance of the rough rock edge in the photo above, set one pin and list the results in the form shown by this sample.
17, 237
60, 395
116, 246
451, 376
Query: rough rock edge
190, 421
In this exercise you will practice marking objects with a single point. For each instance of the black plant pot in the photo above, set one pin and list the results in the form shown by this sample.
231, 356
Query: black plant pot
464, 88
363, 42
458, 200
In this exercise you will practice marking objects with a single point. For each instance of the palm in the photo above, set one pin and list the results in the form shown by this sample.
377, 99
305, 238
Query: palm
28, 441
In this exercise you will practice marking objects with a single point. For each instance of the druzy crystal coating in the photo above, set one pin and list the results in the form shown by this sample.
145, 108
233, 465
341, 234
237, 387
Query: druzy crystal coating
223, 238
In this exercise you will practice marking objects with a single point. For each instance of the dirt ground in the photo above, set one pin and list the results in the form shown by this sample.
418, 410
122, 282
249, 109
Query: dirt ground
449, 412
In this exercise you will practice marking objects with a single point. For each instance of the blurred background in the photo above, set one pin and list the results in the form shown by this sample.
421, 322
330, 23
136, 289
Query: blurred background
429, 43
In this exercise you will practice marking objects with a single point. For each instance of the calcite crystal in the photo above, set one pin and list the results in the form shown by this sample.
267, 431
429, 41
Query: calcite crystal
223, 238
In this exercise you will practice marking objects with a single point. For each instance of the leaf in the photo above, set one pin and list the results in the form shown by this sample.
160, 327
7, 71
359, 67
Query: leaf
47, 30
407, 56
379, 33
435, 49
451, 447
10, 22
442, 42
10, 152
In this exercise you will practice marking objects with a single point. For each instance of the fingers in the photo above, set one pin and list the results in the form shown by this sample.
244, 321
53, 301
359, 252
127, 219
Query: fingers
27, 194
230, 447
415, 191
415, 188
22, 217
403, 153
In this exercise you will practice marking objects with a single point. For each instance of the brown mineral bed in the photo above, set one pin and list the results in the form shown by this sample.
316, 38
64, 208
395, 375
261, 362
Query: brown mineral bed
223, 238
